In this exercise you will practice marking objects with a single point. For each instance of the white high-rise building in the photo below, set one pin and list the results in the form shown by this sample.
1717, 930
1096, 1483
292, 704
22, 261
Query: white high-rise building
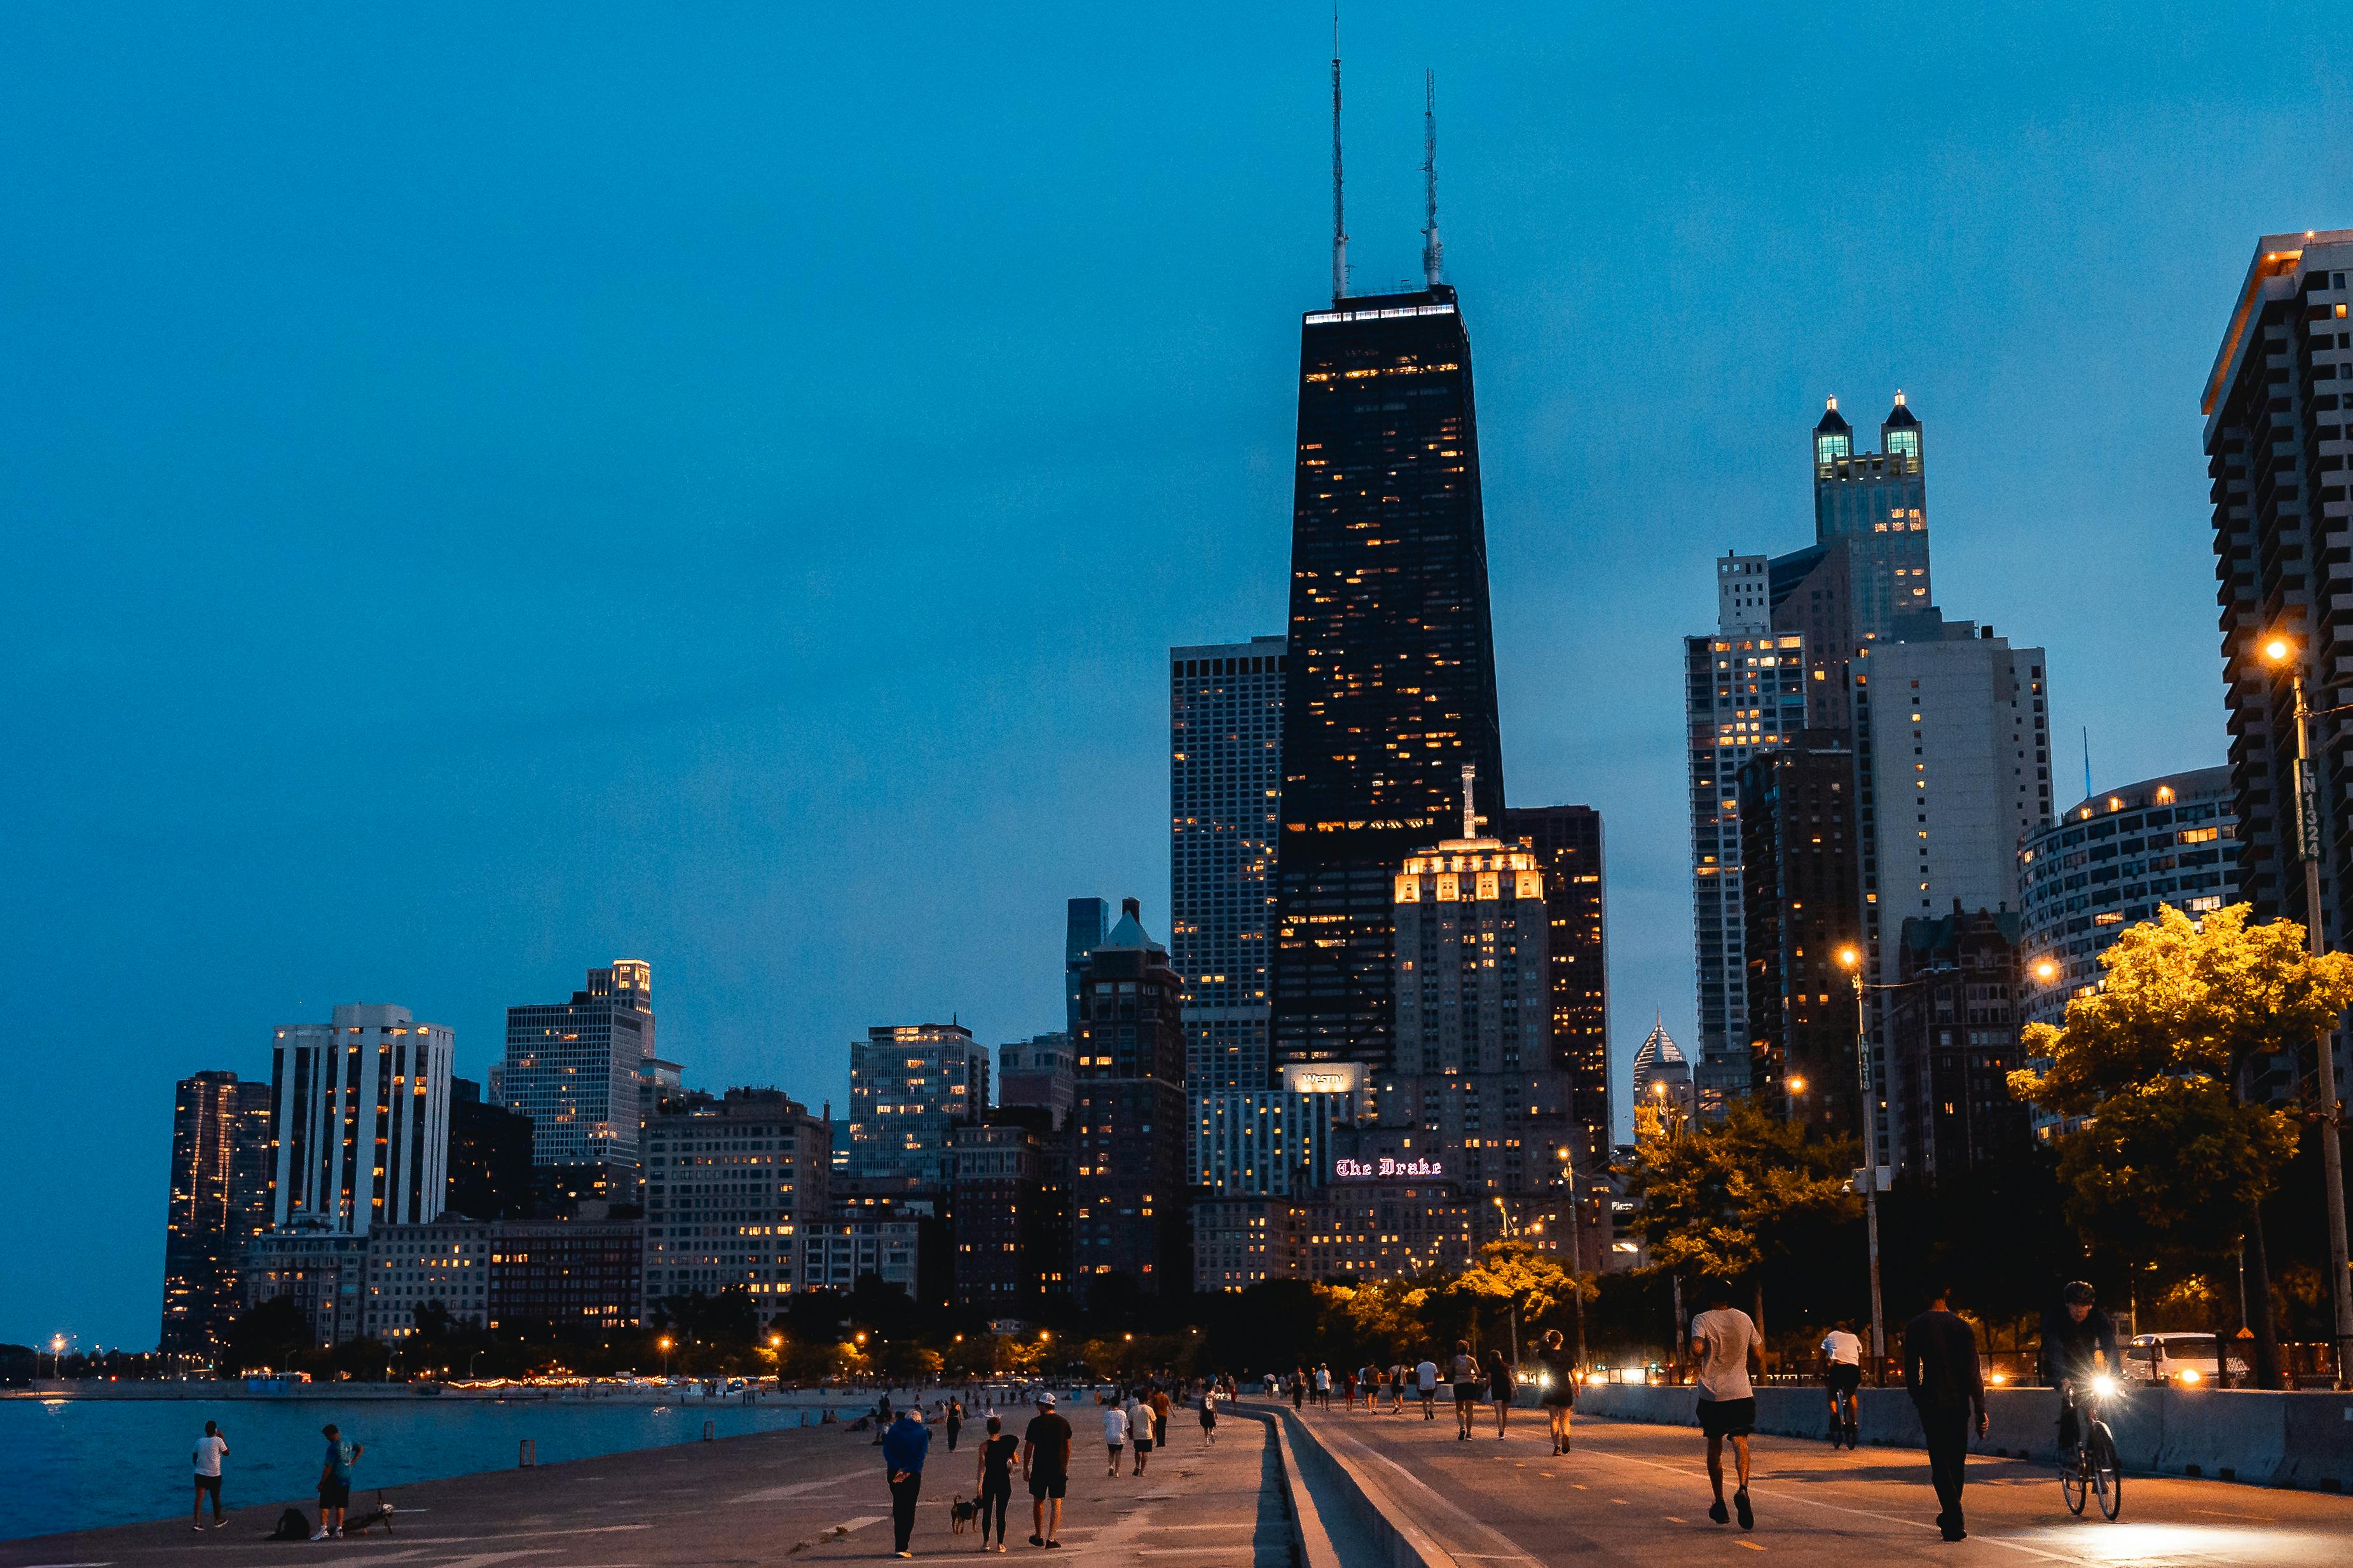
362, 1118
1953, 749
1745, 692
911, 1086
1224, 786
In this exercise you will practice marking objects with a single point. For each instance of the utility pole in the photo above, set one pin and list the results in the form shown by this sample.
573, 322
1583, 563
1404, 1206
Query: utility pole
2279, 651
1853, 958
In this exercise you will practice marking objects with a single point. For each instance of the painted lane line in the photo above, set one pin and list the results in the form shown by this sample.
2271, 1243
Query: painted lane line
779, 1494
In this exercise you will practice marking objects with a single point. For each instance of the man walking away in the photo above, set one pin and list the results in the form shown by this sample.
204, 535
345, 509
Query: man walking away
1046, 1466
1115, 1420
1139, 1430
335, 1481
1397, 1388
1161, 1405
1843, 1373
1425, 1383
956, 1422
1724, 1348
1209, 1413
903, 1447
1466, 1377
996, 1453
210, 1449
1940, 1368
1559, 1387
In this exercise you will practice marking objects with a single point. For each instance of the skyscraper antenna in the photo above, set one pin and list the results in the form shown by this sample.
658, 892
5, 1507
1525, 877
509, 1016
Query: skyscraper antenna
1469, 812
1433, 254
2087, 761
1339, 224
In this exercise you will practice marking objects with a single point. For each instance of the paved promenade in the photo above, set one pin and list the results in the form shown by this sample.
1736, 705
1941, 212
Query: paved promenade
1637, 1495
812, 1496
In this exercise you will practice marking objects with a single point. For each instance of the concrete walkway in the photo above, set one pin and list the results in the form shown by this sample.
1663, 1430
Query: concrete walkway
812, 1496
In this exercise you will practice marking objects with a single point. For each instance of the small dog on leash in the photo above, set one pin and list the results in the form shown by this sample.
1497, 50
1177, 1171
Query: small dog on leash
961, 1513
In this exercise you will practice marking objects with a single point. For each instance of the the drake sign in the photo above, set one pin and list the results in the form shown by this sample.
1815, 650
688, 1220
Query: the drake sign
1386, 1167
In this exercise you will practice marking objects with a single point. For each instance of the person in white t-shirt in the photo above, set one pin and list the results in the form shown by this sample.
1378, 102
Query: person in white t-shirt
1115, 1433
1842, 1373
1425, 1383
1724, 1343
210, 1448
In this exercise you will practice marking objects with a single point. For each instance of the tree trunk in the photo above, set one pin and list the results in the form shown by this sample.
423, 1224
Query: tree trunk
2259, 1303
1757, 1302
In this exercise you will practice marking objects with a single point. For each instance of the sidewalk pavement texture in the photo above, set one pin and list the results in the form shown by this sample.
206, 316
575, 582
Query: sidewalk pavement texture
813, 1496
1638, 1494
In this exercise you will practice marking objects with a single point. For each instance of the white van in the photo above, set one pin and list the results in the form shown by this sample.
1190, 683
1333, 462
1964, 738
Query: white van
2186, 1361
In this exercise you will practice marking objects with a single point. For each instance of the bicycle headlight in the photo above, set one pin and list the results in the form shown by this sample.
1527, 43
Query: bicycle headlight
2104, 1385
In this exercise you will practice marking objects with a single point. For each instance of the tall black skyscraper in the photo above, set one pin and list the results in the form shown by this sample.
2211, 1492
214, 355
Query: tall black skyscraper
1389, 687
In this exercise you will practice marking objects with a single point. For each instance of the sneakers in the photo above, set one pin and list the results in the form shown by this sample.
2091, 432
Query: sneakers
1740, 1506
321, 1534
1718, 1512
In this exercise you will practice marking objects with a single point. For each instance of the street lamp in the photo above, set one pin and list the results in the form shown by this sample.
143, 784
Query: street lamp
1576, 1248
664, 1342
1796, 1083
2282, 653
1850, 959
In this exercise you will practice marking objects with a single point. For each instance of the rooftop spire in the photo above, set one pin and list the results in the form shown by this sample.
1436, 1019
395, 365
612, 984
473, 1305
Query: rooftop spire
1339, 225
1433, 254
1469, 812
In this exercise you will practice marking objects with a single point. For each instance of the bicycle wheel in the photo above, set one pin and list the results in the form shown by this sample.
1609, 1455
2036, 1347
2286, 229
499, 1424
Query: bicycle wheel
2076, 1481
2107, 1478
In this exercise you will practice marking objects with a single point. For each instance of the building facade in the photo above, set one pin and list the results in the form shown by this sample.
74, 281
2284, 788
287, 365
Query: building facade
322, 1271
1269, 1141
219, 1200
1566, 840
1745, 692
1039, 1071
575, 1067
1128, 1147
1389, 677
1952, 750
1877, 502
733, 1185
1661, 1081
1012, 1214
362, 1114
2277, 406
886, 1242
491, 1171
445, 1264
1800, 869
1954, 1032
911, 1086
1225, 788
1085, 923
577, 1274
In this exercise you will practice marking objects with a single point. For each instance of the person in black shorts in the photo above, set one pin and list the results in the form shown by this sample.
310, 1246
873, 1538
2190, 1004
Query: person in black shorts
997, 1455
1046, 1466
1559, 1387
1724, 1346
1468, 1381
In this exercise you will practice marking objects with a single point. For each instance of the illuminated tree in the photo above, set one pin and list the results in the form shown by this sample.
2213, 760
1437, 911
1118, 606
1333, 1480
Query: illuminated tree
2173, 1158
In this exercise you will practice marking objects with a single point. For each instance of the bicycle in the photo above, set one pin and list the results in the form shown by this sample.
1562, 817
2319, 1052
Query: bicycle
1845, 1424
2092, 1471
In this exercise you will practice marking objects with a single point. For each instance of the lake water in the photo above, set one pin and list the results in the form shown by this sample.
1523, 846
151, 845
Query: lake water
74, 1463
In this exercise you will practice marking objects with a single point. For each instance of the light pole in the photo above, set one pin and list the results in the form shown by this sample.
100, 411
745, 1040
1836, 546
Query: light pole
1852, 959
665, 1351
2282, 653
1576, 1252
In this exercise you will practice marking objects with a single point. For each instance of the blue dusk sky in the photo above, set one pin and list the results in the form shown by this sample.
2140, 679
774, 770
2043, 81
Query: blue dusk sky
489, 490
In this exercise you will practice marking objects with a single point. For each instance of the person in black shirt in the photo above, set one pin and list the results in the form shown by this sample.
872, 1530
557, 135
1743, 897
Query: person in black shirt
998, 1452
1559, 1387
1940, 1368
2076, 1339
956, 1422
1046, 1466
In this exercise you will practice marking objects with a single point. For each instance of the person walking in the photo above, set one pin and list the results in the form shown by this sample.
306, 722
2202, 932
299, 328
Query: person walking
1323, 1386
1139, 1430
997, 1451
1114, 1423
1503, 1380
1841, 1373
1723, 1345
335, 1481
1161, 1405
1425, 1383
210, 1449
1209, 1413
1397, 1388
1559, 1387
1046, 1466
1940, 1368
1467, 1379
903, 1447
956, 1422
1298, 1387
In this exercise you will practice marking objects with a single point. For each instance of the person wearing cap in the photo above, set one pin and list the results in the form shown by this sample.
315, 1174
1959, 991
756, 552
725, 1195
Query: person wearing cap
335, 1481
1046, 1466
903, 1447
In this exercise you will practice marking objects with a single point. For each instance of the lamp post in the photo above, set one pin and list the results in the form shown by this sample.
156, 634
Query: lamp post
665, 1351
1851, 959
1576, 1251
2282, 653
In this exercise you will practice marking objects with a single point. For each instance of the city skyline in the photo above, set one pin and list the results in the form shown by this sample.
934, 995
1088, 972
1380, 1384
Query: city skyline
494, 810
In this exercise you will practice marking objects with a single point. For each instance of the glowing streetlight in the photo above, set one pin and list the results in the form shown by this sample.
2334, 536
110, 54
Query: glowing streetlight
665, 1343
2283, 654
1796, 1083
2045, 971
1850, 959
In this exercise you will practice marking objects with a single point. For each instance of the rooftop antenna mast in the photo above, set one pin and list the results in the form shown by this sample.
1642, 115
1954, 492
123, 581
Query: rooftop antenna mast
1339, 225
1469, 812
1433, 254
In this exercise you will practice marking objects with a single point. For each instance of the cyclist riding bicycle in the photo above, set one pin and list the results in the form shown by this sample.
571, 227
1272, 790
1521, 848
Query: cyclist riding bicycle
2076, 1339
1843, 1373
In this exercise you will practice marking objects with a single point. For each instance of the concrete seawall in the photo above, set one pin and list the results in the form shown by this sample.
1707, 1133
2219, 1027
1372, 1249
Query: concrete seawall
2300, 1439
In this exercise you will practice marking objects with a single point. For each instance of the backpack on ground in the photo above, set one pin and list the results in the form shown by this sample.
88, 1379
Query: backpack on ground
292, 1526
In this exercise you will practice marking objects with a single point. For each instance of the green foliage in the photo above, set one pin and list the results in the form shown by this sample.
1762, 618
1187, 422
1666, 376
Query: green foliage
1720, 1199
269, 1334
